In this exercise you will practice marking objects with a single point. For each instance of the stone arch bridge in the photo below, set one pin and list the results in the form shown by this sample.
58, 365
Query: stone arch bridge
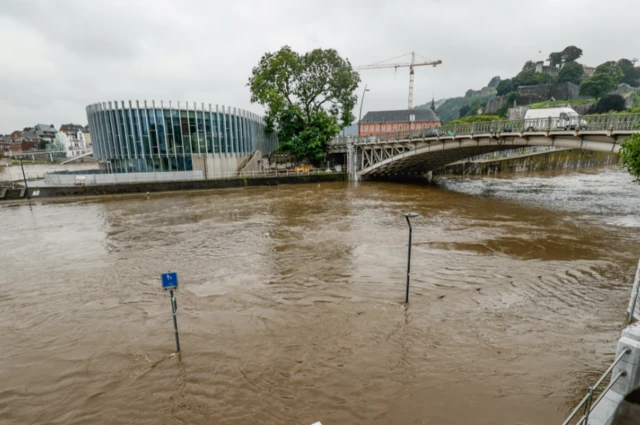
416, 153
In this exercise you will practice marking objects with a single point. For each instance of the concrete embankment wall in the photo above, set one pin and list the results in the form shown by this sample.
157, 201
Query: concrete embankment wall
123, 188
551, 161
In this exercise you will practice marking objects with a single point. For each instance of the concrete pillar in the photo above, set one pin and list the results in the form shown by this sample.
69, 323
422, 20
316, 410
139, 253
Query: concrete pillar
630, 363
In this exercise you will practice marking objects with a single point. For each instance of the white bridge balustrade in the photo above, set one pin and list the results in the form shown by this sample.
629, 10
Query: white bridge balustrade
417, 152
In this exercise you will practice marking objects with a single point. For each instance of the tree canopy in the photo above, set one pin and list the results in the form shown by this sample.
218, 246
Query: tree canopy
609, 103
494, 82
630, 71
555, 59
504, 87
529, 66
307, 97
612, 69
598, 85
570, 54
630, 154
571, 73
529, 78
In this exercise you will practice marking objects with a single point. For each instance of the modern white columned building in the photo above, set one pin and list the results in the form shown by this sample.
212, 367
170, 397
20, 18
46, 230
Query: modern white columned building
149, 136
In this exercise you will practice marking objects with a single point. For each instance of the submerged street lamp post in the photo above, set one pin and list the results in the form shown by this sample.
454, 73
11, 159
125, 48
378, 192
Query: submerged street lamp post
408, 216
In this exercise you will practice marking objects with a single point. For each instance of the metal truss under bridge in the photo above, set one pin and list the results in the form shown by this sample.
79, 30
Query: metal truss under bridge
416, 153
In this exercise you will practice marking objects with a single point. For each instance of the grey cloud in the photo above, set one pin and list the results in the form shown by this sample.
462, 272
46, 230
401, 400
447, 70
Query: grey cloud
57, 56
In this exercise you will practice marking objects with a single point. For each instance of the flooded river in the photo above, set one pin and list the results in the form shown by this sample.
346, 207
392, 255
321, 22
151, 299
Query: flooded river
290, 305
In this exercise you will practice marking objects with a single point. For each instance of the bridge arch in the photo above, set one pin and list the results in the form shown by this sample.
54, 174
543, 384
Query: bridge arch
417, 157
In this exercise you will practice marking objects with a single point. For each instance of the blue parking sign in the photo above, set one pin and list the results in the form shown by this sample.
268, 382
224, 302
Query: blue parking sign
169, 280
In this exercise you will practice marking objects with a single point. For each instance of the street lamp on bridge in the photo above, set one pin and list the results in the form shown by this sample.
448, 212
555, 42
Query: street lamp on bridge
361, 103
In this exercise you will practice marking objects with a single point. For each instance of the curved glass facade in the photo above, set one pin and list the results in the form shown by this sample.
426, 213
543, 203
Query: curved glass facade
141, 136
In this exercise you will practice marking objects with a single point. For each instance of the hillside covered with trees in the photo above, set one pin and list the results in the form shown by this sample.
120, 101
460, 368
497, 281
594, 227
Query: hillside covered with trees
563, 67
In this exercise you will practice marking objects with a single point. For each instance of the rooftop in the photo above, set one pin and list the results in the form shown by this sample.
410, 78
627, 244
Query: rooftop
403, 115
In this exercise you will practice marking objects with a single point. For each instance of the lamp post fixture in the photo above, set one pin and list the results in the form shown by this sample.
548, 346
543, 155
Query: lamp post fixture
361, 103
408, 216
24, 177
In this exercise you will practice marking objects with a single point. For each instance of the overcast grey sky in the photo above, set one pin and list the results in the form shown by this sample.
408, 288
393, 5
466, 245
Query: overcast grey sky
58, 56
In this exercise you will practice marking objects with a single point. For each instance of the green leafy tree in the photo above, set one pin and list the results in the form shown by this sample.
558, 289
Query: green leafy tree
570, 54
571, 73
530, 78
631, 72
312, 141
504, 87
464, 111
303, 87
555, 59
612, 69
529, 66
630, 154
494, 82
598, 85
610, 102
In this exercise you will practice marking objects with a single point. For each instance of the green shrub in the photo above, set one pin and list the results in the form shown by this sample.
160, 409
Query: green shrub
475, 118
630, 154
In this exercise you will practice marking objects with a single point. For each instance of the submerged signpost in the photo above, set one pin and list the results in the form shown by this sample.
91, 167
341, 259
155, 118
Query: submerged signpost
408, 216
169, 283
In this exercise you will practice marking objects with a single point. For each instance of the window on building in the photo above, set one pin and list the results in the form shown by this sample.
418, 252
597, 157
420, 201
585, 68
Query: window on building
395, 127
377, 128
424, 126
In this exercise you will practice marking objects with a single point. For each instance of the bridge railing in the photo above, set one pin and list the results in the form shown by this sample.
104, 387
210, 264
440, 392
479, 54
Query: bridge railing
609, 122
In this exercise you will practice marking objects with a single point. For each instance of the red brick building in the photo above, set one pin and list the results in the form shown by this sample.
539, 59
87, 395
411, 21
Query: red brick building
381, 122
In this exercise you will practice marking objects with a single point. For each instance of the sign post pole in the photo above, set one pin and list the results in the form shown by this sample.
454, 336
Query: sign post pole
174, 308
169, 283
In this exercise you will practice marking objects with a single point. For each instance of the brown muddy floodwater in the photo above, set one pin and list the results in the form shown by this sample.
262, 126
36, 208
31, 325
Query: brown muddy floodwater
290, 306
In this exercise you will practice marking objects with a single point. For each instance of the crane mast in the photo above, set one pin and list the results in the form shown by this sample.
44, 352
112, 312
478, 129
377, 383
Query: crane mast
410, 65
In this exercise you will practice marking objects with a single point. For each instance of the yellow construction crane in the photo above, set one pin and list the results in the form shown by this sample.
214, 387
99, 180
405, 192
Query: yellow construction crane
401, 65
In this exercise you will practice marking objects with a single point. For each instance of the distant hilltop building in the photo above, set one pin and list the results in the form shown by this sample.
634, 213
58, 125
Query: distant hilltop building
377, 122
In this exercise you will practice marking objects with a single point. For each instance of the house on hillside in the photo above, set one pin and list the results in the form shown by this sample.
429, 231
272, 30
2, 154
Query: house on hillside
380, 122
75, 137
588, 71
45, 132
87, 136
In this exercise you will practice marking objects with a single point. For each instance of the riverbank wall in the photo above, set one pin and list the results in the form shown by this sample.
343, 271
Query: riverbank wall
128, 188
566, 159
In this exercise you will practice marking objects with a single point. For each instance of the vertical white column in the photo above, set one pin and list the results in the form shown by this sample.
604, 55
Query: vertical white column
131, 130
195, 113
224, 131
181, 136
234, 129
173, 136
204, 127
218, 129
146, 120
